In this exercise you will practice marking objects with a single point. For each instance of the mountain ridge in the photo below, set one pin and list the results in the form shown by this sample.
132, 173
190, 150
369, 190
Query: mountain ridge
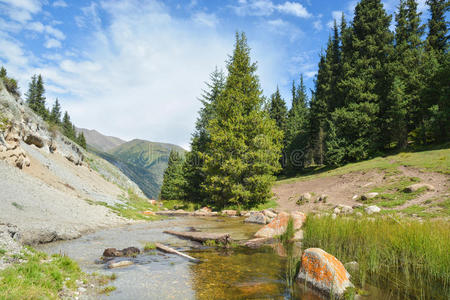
142, 161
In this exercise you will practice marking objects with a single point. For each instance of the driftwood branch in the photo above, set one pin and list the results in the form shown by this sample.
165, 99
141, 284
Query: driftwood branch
202, 237
173, 251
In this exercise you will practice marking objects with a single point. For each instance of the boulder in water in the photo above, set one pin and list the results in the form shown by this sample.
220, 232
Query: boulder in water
324, 272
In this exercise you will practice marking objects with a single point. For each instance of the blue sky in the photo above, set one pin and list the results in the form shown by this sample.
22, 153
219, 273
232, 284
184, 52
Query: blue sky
134, 69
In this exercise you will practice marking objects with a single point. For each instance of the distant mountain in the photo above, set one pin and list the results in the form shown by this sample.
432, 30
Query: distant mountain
148, 161
141, 161
99, 141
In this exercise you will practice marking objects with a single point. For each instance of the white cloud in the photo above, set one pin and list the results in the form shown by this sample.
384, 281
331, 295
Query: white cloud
59, 3
206, 19
294, 8
267, 8
20, 10
335, 16
41, 28
52, 43
142, 77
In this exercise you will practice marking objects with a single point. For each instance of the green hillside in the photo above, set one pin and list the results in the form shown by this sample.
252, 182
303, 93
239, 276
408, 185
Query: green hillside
143, 162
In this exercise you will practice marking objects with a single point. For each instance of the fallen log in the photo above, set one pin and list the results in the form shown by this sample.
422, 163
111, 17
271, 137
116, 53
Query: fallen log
173, 251
202, 237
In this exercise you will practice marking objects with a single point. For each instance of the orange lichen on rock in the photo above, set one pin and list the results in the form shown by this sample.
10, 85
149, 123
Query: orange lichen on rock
279, 224
324, 271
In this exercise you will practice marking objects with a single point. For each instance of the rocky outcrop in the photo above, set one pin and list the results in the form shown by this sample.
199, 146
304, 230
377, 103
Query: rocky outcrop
324, 272
24, 126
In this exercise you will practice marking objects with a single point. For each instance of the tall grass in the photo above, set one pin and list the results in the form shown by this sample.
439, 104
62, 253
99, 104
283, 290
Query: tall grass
411, 257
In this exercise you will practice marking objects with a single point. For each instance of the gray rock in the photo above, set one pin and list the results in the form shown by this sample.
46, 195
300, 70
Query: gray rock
369, 196
417, 186
345, 209
268, 213
258, 218
372, 209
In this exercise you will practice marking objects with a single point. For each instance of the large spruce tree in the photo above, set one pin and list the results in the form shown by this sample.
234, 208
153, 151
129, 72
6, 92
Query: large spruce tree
200, 143
365, 85
403, 104
245, 142
35, 97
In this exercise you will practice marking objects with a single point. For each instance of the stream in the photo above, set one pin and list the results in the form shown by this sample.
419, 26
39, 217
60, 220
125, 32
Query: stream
235, 273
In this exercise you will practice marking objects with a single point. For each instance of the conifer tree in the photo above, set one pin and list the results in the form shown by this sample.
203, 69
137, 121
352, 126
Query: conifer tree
68, 128
321, 103
278, 110
31, 95
36, 96
245, 142
296, 135
173, 182
55, 114
81, 140
192, 166
437, 39
365, 85
3, 72
403, 104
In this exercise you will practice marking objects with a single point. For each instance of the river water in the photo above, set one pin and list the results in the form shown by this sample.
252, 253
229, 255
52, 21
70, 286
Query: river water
236, 273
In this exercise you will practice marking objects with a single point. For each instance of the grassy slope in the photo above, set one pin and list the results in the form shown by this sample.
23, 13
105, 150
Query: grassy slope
429, 161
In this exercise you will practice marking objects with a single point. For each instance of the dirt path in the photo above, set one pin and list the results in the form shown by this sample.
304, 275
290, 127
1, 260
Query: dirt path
341, 189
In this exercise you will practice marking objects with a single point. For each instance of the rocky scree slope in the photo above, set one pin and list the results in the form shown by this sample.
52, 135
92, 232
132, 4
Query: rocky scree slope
48, 183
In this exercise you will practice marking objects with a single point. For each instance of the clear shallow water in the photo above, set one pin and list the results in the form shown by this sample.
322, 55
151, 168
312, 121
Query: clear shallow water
236, 273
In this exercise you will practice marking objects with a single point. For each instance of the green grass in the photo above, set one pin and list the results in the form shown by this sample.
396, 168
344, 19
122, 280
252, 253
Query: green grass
429, 160
2, 252
178, 204
36, 279
404, 255
132, 209
288, 234
393, 194
109, 289
149, 246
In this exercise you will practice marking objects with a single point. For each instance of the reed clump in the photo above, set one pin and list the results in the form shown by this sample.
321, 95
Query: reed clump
410, 255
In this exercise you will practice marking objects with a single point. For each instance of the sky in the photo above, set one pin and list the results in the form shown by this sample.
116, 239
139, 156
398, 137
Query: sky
136, 68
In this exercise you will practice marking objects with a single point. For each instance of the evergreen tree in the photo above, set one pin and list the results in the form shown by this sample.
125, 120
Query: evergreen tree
36, 96
10, 83
31, 95
192, 167
68, 128
437, 39
321, 103
55, 114
245, 143
278, 110
81, 140
403, 104
296, 135
173, 182
365, 85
